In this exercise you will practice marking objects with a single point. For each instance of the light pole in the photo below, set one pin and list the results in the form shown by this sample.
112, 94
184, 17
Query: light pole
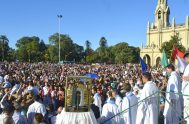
59, 18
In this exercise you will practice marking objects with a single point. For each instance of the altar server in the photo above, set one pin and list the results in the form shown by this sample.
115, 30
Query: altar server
147, 110
129, 106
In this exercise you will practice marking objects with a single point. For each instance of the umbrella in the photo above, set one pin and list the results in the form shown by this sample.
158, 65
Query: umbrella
93, 76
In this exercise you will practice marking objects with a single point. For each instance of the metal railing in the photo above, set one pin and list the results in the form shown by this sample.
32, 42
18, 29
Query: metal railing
182, 119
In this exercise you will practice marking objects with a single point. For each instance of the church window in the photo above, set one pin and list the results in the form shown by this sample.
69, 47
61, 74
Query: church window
159, 15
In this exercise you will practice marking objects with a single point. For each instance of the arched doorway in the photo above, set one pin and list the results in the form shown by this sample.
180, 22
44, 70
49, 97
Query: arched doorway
147, 59
158, 60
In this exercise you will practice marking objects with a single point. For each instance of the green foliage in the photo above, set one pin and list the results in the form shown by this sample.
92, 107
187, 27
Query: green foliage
4, 47
125, 54
174, 41
103, 42
88, 49
69, 51
30, 49
120, 53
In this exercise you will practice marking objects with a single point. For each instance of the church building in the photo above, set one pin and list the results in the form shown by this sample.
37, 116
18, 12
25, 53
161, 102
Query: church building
161, 31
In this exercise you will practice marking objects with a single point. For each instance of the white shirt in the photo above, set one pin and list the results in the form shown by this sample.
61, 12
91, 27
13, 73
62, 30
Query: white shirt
36, 107
97, 101
45, 90
18, 118
2, 117
1, 79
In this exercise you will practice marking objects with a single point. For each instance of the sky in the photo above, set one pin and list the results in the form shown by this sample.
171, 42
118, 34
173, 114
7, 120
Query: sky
116, 20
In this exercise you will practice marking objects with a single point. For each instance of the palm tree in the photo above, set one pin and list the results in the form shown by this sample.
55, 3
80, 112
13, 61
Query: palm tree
3, 43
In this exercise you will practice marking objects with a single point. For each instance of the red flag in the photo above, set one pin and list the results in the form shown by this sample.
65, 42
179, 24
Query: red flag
177, 52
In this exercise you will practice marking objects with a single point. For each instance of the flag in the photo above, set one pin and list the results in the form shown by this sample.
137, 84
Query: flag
181, 64
143, 65
164, 61
176, 52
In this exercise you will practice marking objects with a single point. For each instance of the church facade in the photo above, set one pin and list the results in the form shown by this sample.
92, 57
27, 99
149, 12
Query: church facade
161, 31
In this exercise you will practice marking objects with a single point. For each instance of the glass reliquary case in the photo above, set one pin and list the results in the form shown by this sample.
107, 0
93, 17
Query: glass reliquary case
78, 94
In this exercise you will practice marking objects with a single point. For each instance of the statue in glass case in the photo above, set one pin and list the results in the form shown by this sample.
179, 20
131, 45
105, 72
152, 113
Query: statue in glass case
78, 94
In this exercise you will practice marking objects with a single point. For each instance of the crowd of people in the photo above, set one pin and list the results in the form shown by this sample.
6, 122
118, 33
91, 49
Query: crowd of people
33, 93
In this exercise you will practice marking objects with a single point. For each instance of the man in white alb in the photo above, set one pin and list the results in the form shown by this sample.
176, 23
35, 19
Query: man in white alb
129, 106
173, 110
185, 88
147, 112
109, 110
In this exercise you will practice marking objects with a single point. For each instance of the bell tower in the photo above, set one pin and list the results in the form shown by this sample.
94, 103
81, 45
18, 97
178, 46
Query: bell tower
162, 13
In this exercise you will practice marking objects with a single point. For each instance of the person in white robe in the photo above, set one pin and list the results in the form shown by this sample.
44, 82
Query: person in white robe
147, 109
109, 110
36, 107
118, 99
129, 106
97, 98
173, 110
185, 89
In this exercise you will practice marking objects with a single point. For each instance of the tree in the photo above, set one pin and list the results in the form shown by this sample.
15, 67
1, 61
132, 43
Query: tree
28, 48
124, 53
103, 42
88, 49
103, 51
174, 41
42, 50
4, 47
69, 50
88, 44
11, 56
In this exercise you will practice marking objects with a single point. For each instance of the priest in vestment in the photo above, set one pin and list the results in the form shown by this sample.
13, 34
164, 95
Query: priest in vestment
173, 110
109, 110
185, 88
118, 99
147, 112
129, 106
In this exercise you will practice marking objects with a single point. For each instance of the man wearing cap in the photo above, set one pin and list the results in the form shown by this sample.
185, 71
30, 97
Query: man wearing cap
147, 109
173, 111
185, 88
